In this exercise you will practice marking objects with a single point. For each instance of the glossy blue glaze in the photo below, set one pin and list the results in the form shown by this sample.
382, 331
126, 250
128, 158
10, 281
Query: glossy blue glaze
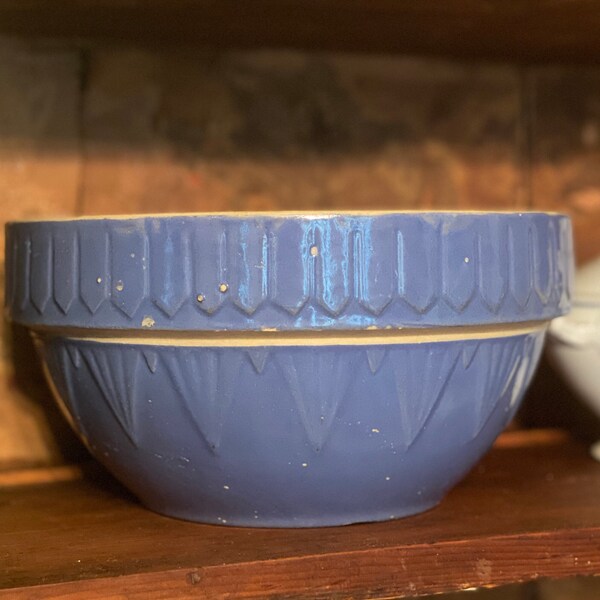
288, 435
303, 272
291, 436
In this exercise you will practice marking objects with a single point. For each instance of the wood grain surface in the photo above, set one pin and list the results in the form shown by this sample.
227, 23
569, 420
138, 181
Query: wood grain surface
529, 510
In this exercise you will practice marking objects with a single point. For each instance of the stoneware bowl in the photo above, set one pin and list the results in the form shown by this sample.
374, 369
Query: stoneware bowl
575, 339
290, 369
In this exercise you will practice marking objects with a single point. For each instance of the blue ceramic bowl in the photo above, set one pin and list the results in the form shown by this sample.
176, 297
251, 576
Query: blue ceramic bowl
290, 369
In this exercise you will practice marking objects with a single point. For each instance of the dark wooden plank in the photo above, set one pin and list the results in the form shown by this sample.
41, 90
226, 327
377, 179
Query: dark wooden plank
528, 510
525, 30
371, 574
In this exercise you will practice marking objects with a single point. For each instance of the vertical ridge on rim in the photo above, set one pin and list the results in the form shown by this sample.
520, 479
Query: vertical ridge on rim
346, 272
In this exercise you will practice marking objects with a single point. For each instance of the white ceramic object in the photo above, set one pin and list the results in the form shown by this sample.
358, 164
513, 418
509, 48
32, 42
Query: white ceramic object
574, 340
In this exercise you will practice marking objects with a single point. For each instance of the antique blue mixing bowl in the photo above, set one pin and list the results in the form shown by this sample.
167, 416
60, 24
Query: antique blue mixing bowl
290, 369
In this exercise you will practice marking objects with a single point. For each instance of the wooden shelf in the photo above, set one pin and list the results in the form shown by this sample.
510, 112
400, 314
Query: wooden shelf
530, 509
520, 30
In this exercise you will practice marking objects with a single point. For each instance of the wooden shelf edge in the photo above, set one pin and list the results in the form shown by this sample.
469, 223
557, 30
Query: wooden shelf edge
530, 510
381, 573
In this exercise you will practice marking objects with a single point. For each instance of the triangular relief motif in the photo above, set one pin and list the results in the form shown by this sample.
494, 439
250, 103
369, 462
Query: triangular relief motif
494, 366
318, 380
205, 380
421, 373
115, 372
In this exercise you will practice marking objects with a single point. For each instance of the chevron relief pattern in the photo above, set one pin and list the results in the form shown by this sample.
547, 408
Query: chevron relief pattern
317, 381
289, 270
169, 255
65, 259
115, 372
492, 368
258, 358
375, 356
421, 374
40, 284
525, 368
63, 362
205, 383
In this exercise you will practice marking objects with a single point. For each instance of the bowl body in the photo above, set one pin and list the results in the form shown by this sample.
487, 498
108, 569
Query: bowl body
298, 436
290, 370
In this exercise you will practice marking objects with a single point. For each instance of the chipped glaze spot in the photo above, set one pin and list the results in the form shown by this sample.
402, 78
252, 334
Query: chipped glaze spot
148, 322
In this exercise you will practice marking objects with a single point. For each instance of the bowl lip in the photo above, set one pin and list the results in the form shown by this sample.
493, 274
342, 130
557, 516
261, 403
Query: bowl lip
286, 214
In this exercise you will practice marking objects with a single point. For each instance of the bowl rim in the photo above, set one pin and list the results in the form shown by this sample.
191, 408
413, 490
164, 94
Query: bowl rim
288, 214
345, 288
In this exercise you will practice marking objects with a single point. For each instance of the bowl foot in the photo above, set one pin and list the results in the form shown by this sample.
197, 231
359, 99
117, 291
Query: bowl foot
300, 521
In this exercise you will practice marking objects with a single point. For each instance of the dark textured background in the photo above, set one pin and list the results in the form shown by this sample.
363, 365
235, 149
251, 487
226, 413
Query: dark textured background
108, 128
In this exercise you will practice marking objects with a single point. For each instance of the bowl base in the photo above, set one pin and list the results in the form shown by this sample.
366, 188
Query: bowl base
298, 522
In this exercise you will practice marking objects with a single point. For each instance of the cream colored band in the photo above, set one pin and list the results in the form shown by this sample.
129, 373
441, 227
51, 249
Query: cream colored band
364, 337
317, 214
